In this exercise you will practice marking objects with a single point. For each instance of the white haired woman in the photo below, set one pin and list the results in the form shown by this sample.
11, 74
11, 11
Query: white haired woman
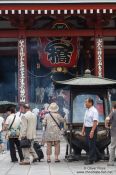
52, 121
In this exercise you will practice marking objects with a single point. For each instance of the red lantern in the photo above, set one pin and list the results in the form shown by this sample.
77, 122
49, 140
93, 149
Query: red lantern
58, 52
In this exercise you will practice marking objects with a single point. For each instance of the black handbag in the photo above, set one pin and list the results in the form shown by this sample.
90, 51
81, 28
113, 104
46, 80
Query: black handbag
25, 143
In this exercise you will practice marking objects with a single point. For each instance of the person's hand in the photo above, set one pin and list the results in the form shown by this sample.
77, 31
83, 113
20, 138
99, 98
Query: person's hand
6, 136
107, 122
23, 137
82, 133
91, 134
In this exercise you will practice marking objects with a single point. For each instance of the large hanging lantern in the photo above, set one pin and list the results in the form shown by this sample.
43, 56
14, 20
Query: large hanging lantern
58, 51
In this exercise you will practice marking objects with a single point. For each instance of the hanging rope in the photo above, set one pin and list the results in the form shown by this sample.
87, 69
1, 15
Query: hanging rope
46, 75
39, 76
71, 74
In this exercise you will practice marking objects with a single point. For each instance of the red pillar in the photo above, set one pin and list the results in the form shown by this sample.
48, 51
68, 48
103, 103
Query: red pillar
99, 56
22, 70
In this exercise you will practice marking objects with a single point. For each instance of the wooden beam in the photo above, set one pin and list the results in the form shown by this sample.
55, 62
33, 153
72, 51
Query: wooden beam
9, 53
9, 44
15, 52
106, 43
57, 33
9, 33
15, 44
79, 32
58, 6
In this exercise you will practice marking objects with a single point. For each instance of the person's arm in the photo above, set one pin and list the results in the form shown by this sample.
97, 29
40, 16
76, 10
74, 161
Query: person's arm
83, 130
93, 128
44, 123
61, 119
3, 125
23, 130
95, 123
108, 120
110, 115
6, 124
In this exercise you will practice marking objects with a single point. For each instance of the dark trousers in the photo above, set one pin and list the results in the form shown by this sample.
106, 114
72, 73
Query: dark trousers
13, 144
92, 154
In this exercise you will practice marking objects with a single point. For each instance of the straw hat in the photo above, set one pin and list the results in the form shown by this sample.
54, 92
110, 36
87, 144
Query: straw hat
53, 107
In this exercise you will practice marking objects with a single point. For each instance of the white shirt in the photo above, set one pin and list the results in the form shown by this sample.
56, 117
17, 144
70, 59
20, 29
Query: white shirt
1, 123
19, 114
28, 125
66, 113
35, 111
91, 115
16, 122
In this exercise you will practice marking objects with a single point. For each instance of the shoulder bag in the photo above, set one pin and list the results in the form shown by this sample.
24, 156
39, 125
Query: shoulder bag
12, 133
12, 122
55, 121
62, 131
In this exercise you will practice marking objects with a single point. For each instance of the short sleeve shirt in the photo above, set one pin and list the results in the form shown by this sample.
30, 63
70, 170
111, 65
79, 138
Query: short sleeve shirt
16, 122
91, 115
1, 123
113, 123
19, 114
35, 111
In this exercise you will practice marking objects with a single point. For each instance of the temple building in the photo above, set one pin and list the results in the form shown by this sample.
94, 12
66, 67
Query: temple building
45, 39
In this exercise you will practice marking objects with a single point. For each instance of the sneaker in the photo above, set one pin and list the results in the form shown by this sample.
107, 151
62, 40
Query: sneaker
88, 162
57, 161
48, 161
35, 160
110, 164
14, 161
24, 163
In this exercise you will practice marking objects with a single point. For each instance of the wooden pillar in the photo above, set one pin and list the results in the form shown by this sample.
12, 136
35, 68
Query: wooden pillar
22, 69
99, 56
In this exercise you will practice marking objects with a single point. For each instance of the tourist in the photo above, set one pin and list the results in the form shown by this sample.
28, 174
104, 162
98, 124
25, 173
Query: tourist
90, 130
52, 122
21, 110
28, 130
1, 129
44, 110
36, 113
12, 125
111, 123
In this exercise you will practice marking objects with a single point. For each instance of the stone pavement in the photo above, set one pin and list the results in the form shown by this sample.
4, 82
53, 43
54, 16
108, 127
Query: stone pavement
62, 168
